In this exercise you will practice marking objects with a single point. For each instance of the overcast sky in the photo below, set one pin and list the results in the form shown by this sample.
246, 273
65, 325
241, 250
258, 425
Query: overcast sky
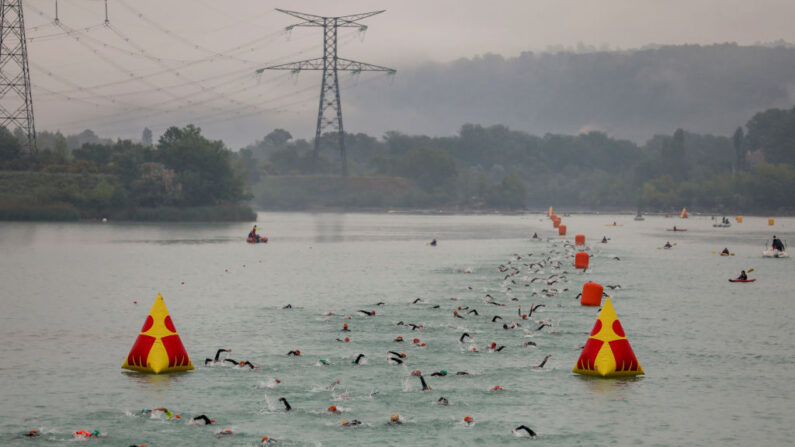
170, 62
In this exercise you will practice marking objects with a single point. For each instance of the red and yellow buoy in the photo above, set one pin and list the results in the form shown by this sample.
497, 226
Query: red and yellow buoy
158, 347
607, 352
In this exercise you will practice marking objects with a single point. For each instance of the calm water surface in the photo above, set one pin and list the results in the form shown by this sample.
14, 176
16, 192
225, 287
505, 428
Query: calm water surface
718, 356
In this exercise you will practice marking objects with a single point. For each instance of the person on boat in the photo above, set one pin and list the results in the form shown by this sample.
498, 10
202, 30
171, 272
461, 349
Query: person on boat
743, 276
535, 235
777, 244
604, 239
674, 227
253, 234
433, 243
668, 244
725, 251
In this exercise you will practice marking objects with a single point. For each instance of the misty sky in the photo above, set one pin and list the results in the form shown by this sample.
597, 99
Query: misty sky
174, 62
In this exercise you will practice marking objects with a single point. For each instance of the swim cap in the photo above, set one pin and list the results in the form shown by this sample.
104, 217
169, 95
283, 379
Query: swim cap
399, 338
416, 340
344, 422
459, 307
403, 354
347, 339
444, 372
468, 419
332, 408
455, 312
345, 325
422, 344
395, 417
94, 433
278, 381
264, 438
493, 344
298, 352
524, 316
373, 312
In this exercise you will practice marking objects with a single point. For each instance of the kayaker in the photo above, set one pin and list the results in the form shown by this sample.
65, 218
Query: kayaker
433, 243
777, 244
725, 251
535, 235
253, 234
743, 276
604, 239
668, 244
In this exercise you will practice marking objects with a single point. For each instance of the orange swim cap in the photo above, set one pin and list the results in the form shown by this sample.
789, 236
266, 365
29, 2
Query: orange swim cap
496, 388
524, 316
422, 344
468, 419
403, 354
278, 381
399, 338
227, 431
459, 307
373, 311
416, 340
455, 312
332, 408
298, 352
347, 339
494, 344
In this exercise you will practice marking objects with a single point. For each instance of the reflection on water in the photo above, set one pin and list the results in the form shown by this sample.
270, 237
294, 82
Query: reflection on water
329, 227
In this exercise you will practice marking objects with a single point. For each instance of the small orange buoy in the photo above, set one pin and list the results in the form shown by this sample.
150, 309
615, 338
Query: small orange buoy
581, 260
579, 239
771, 221
556, 222
561, 230
591, 294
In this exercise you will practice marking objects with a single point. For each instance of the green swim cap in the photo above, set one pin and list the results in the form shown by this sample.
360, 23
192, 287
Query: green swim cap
95, 433
444, 371
169, 414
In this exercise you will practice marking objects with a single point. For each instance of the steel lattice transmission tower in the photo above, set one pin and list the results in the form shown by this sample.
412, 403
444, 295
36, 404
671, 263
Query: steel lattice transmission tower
329, 114
16, 101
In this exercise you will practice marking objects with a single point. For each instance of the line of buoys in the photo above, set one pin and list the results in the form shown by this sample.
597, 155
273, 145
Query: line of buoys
556, 222
562, 230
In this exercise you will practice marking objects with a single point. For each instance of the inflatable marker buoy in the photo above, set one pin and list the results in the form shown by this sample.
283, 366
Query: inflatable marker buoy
581, 260
561, 230
591, 294
607, 352
579, 239
158, 347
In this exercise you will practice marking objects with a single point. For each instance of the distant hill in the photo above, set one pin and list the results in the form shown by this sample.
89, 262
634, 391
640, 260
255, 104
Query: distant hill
628, 94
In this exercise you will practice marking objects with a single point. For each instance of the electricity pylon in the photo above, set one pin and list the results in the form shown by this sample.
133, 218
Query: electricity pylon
16, 101
329, 114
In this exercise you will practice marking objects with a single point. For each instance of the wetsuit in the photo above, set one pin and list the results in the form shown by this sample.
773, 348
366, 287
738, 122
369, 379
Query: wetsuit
207, 421
287, 406
294, 353
529, 431
358, 358
465, 334
778, 245
443, 401
425, 386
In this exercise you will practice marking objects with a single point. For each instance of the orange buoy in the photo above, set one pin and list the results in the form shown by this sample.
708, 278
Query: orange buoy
591, 294
581, 260
579, 239
739, 219
771, 221
556, 222
562, 230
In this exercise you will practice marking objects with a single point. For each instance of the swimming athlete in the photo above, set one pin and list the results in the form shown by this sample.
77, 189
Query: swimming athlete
542, 326
345, 328
468, 420
725, 251
395, 419
32, 434
425, 386
535, 235
418, 300
495, 318
288, 306
351, 423
465, 334
267, 441
85, 434
203, 419
333, 409
346, 340
455, 314
433, 243
294, 353
473, 311
541, 365
398, 354
222, 433
441, 373
462, 373
530, 433
217, 355
414, 327
530, 343
604, 239
247, 363
358, 359
443, 401
398, 339
287, 406
368, 313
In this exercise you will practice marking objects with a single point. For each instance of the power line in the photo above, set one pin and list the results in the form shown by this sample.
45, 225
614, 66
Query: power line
16, 100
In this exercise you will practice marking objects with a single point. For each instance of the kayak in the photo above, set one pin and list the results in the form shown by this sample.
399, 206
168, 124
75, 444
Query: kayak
677, 229
721, 225
742, 280
262, 240
775, 254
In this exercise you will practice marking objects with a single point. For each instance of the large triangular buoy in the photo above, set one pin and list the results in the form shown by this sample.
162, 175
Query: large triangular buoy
683, 215
158, 347
607, 352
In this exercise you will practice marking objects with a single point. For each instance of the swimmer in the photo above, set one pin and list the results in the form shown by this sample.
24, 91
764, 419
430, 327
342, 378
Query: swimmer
345, 340
201, 420
473, 311
395, 419
217, 355
399, 354
443, 401
544, 362
613, 286
324, 362
380, 303
604, 239
85, 434
535, 235
425, 386
358, 359
441, 373
333, 409
530, 343
295, 353
496, 388
287, 406
398, 339
289, 306
518, 431
222, 433
465, 334
368, 313
163, 410
495, 318
418, 300
462, 373
351, 423
345, 328
267, 441
455, 314
247, 363
468, 420
32, 434
414, 327
543, 325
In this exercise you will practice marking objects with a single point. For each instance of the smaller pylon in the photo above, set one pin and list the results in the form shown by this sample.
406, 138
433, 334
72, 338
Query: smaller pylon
158, 347
607, 352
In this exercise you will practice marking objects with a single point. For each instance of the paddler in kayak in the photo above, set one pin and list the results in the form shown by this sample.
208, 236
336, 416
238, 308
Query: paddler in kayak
667, 244
777, 244
253, 236
743, 276
725, 251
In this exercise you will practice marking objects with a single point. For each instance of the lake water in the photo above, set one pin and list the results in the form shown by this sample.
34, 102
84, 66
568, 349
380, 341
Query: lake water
718, 356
